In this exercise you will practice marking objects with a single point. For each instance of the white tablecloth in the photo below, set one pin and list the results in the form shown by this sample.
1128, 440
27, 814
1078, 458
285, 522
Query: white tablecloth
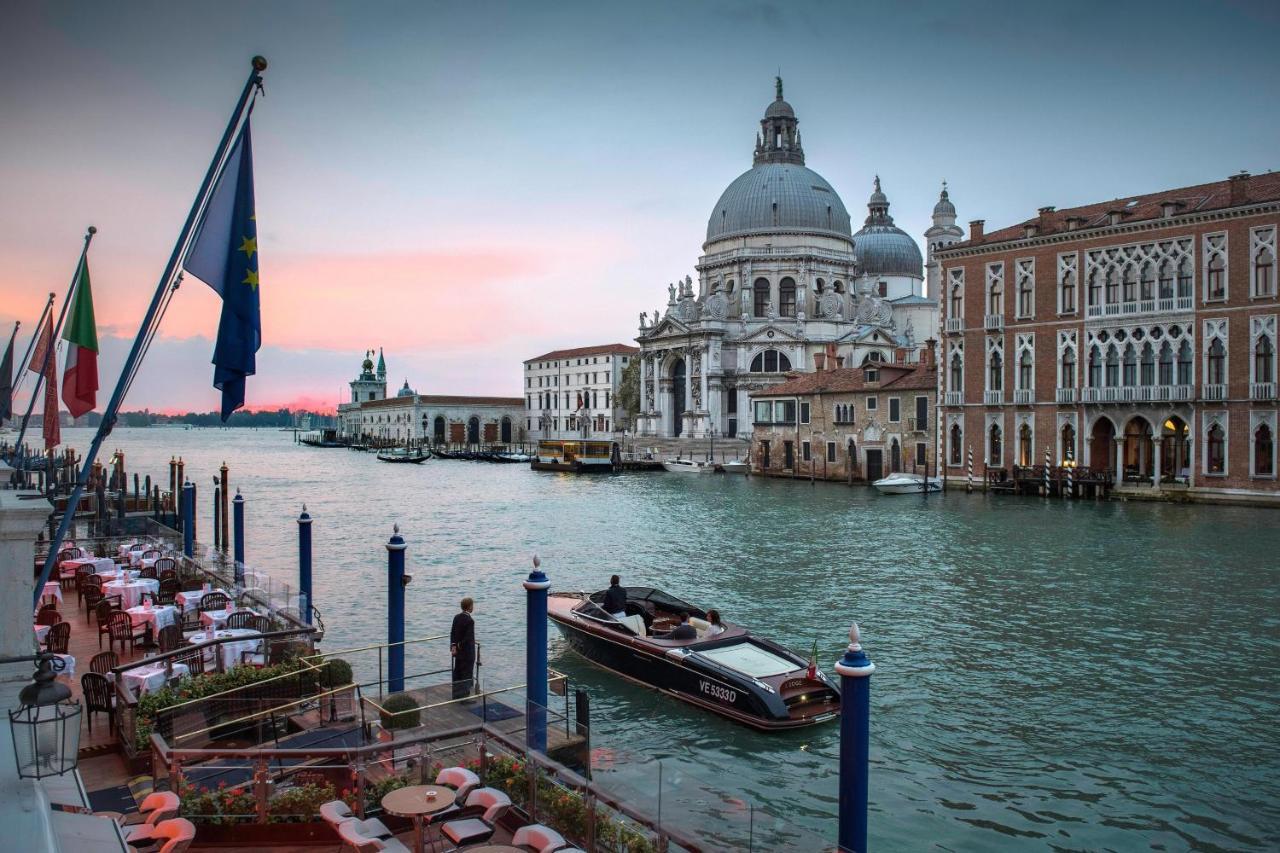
125, 550
191, 598
144, 679
101, 565
230, 651
52, 588
130, 592
215, 618
42, 631
159, 617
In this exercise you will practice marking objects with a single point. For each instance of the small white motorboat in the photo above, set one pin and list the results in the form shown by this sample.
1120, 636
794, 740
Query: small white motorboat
907, 484
736, 466
688, 466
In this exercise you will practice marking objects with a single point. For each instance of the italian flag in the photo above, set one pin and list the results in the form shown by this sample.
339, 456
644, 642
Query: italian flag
80, 379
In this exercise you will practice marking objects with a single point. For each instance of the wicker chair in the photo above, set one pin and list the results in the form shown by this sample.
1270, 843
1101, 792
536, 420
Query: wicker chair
194, 660
261, 624
98, 697
213, 601
149, 573
170, 638
58, 638
166, 564
151, 554
166, 574
81, 577
240, 619
48, 616
168, 591
104, 662
88, 584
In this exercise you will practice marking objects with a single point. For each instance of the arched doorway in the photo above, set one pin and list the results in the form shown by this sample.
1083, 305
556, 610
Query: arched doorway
437, 430
678, 382
473, 430
505, 431
1068, 450
1101, 440
1137, 450
895, 457
1025, 450
1175, 450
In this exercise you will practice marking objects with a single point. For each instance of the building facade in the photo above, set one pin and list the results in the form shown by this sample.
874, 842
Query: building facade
849, 423
1135, 337
410, 417
573, 393
782, 277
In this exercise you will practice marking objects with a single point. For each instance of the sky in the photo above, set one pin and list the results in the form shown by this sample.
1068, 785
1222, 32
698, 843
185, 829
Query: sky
468, 185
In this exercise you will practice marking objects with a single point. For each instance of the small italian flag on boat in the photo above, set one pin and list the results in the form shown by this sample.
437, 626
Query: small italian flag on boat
813, 662
80, 379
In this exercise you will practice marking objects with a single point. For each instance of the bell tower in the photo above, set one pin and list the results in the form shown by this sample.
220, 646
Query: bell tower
943, 232
779, 137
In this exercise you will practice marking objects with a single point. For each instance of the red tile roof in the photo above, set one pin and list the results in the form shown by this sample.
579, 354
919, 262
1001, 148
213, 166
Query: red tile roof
842, 380
445, 400
1214, 196
600, 349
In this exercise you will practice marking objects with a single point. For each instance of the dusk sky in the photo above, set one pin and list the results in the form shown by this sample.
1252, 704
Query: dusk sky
469, 185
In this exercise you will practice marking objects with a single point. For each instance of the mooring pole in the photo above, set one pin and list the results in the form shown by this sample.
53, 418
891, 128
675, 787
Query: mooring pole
535, 669
217, 527
226, 498
237, 510
304, 564
395, 611
188, 539
855, 670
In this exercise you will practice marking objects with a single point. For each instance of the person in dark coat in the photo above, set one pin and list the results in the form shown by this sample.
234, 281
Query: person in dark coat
462, 646
615, 598
683, 631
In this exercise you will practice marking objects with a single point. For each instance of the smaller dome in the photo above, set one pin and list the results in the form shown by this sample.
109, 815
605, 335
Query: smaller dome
406, 391
779, 109
368, 364
944, 207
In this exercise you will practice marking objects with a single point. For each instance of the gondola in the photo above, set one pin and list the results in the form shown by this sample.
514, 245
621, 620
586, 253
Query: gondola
745, 678
411, 456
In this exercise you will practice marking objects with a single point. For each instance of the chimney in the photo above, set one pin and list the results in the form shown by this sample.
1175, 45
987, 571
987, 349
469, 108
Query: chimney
1114, 217
1074, 223
819, 361
931, 346
839, 361
1170, 208
900, 355
1045, 211
975, 230
1239, 188
1030, 229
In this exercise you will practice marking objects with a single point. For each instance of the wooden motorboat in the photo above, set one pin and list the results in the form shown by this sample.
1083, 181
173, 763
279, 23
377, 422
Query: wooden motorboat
736, 466
688, 466
907, 484
735, 674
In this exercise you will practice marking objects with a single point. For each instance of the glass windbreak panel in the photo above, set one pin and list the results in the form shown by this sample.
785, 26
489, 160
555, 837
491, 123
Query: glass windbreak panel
749, 659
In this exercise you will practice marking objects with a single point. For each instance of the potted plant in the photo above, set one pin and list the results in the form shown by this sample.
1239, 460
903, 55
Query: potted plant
400, 711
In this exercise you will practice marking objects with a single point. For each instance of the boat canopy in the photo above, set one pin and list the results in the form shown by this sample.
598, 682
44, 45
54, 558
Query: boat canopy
749, 659
657, 598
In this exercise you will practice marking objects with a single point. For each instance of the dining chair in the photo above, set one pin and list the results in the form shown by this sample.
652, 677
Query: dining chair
104, 662
98, 698
48, 616
58, 638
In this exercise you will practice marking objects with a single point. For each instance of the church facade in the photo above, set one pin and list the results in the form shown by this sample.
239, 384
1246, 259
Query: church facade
782, 278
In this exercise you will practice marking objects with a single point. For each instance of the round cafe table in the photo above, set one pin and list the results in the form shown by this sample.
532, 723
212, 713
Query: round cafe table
412, 802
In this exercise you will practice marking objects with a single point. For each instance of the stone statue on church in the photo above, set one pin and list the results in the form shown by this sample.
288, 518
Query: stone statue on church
671, 293
688, 286
644, 319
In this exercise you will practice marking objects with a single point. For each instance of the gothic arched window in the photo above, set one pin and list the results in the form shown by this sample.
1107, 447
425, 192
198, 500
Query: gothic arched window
1216, 363
1263, 451
995, 446
957, 452
1068, 378
1263, 360
957, 372
1216, 446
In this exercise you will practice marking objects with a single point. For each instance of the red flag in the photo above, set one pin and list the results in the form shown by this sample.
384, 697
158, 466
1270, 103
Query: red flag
52, 432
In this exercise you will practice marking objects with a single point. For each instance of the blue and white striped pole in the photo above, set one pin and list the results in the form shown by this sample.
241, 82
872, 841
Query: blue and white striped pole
855, 670
535, 661
395, 611
237, 523
304, 564
968, 486
188, 510
1070, 463
1047, 462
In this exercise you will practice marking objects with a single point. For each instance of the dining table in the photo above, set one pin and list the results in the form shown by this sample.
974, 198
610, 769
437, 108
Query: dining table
101, 565
52, 588
130, 590
144, 679
231, 651
191, 597
151, 618
418, 802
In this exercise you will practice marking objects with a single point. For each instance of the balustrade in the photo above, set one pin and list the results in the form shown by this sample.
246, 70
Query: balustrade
1066, 395
993, 398
954, 324
993, 322
1213, 391
1262, 390
1023, 396
953, 398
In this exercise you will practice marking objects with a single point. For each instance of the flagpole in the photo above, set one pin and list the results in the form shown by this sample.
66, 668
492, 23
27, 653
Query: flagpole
53, 339
9, 379
31, 344
135, 353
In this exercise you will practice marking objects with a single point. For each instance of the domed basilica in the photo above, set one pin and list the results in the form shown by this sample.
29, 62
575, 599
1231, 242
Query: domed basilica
783, 277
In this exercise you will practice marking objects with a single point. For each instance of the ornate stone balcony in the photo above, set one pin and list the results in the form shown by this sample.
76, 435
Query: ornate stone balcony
1213, 391
1066, 396
1139, 307
953, 398
993, 398
993, 322
1023, 396
954, 325
1262, 390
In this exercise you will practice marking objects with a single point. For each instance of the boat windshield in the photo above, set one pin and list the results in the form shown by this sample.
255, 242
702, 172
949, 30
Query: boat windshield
749, 659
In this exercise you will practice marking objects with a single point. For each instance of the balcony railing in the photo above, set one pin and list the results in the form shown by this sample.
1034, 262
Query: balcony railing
1023, 396
1091, 395
993, 398
1139, 306
1213, 391
993, 322
954, 324
1066, 395
1262, 390
1182, 392
953, 398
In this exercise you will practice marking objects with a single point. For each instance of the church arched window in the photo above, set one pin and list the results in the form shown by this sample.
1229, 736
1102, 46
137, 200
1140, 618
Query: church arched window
770, 361
760, 297
787, 298
728, 286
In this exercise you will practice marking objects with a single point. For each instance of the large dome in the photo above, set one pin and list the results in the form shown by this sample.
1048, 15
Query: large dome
778, 197
882, 247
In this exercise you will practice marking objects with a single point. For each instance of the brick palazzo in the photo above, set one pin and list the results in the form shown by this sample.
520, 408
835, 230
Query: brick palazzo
1137, 335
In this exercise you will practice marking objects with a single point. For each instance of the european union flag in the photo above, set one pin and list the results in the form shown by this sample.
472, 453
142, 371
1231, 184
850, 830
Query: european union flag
224, 255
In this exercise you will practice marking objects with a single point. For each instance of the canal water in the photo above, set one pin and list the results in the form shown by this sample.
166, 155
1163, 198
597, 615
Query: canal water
1065, 676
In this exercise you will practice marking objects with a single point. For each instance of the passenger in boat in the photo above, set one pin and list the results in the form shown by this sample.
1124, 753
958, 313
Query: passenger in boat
615, 599
714, 626
683, 631
462, 645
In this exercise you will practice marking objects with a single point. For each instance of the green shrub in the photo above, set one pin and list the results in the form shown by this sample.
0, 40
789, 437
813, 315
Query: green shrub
400, 711
337, 672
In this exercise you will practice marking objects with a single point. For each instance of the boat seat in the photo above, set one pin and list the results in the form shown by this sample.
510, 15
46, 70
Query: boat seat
634, 622
700, 625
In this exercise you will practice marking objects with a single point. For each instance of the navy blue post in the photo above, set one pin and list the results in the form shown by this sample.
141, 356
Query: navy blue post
855, 670
304, 564
395, 611
535, 668
237, 522
217, 542
188, 529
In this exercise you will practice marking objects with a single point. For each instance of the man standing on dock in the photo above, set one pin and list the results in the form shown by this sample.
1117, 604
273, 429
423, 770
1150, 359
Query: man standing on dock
462, 645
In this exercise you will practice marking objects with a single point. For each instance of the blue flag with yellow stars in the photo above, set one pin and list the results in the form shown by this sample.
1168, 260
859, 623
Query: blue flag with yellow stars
224, 255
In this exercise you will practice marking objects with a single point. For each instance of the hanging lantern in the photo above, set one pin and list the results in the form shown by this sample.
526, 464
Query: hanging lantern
46, 728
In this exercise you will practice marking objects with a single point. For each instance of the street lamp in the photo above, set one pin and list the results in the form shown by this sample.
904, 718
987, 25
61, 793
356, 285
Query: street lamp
46, 728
